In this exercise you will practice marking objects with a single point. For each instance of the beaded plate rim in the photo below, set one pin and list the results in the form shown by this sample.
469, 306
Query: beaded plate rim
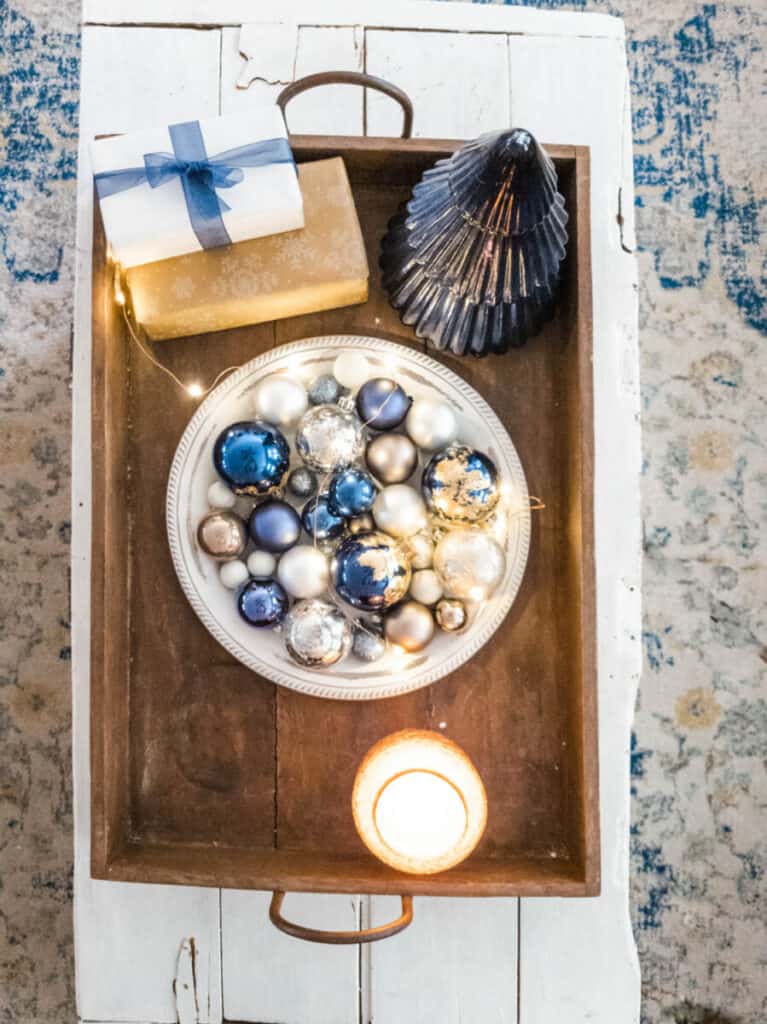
418, 676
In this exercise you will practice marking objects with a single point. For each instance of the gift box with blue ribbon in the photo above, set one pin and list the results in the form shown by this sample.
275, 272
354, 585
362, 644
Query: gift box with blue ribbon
196, 185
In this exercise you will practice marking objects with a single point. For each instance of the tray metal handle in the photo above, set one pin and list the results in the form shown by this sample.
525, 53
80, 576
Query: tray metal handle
299, 931
351, 78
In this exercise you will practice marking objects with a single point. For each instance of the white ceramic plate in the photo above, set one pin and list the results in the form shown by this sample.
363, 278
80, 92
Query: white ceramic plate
262, 650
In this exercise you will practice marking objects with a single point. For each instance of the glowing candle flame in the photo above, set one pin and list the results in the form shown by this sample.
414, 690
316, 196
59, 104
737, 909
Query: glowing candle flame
419, 804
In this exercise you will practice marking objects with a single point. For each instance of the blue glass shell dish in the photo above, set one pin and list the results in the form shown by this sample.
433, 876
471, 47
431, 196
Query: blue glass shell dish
472, 261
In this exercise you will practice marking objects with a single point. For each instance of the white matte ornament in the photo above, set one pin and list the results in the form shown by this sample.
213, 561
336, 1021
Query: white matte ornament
220, 496
469, 563
421, 549
233, 574
303, 571
399, 510
431, 423
351, 369
426, 587
261, 564
279, 400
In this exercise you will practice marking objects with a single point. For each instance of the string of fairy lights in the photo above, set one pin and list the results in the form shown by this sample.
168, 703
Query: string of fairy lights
193, 389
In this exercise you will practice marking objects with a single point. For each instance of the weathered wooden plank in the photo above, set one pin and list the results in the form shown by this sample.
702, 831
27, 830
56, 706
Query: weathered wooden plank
405, 14
270, 56
127, 937
270, 976
456, 964
134, 77
458, 83
574, 90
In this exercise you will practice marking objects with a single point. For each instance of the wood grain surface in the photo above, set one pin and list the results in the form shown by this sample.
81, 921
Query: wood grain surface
202, 772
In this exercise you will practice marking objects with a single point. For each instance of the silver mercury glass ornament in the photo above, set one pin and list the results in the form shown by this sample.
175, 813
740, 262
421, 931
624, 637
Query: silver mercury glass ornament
368, 642
329, 436
316, 634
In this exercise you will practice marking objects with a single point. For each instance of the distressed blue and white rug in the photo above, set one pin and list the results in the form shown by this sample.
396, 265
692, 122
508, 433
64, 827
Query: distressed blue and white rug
699, 775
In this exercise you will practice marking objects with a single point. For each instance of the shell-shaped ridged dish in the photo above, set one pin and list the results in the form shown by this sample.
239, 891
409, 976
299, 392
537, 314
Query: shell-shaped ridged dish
472, 261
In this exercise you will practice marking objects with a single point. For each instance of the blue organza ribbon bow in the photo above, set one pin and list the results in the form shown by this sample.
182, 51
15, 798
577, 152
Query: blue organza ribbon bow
199, 174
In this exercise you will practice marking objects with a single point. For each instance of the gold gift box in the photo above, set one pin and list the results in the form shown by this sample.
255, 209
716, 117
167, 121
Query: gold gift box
322, 266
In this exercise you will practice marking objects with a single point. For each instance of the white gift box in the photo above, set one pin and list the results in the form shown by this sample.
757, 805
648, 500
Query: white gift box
176, 189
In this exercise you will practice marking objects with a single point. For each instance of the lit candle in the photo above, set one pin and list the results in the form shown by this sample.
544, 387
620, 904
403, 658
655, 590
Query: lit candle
418, 802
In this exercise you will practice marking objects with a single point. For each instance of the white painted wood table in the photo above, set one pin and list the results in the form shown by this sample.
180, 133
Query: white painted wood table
156, 954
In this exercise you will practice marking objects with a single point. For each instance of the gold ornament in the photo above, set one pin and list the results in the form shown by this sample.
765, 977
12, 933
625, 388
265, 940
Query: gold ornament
450, 614
410, 625
391, 458
222, 535
361, 524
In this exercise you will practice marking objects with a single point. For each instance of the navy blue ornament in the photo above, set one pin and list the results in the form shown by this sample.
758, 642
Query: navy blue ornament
253, 457
460, 484
371, 571
274, 526
382, 404
319, 521
351, 492
262, 603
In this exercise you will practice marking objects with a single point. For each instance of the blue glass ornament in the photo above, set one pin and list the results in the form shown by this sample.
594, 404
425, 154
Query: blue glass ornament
253, 457
351, 492
324, 389
262, 603
382, 404
274, 525
320, 522
371, 571
460, 484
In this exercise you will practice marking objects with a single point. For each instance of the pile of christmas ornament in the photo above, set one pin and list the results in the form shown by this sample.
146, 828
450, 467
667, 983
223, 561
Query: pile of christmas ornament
378, 532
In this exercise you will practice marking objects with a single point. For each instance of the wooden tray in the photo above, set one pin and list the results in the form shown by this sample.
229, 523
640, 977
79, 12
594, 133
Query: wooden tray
205, 774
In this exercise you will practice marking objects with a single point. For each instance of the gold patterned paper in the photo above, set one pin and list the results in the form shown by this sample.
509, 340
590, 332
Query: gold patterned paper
322, 266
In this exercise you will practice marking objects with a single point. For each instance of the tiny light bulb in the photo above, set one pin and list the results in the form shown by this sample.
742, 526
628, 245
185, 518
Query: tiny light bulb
194, 390
120, 297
